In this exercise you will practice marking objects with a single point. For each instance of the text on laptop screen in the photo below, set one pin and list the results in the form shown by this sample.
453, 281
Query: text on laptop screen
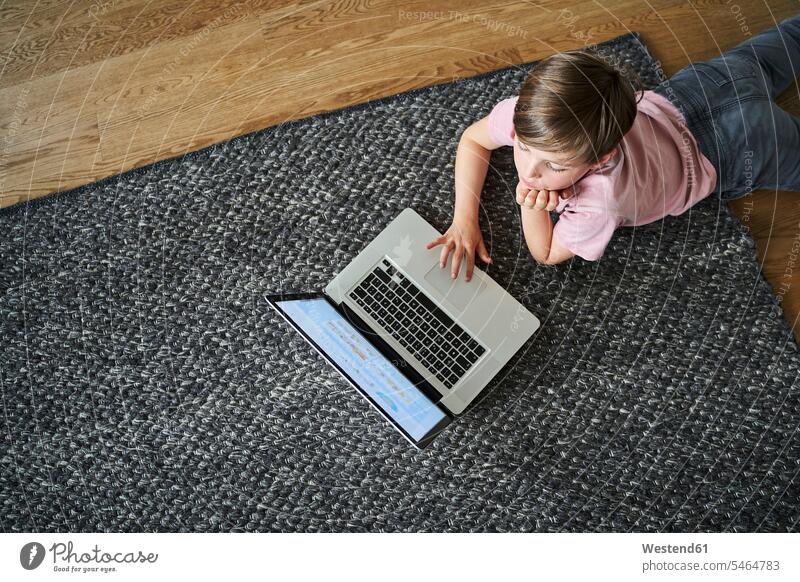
368, 367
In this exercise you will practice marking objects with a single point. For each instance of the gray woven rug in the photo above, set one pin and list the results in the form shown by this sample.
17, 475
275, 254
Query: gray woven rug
147, 386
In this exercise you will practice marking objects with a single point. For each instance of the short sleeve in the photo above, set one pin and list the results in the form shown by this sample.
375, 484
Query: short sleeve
585, 233
501, 122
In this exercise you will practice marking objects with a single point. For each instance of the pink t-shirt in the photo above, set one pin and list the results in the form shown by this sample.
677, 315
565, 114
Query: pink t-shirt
654, 174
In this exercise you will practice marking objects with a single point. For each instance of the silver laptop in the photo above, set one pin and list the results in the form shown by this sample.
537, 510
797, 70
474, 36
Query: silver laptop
418, 344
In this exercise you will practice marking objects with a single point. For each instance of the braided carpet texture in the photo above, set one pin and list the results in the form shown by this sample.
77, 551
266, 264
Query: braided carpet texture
147, 386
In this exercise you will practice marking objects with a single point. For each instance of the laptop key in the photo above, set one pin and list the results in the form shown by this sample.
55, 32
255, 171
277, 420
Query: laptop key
426, 302
443, 318
382, 275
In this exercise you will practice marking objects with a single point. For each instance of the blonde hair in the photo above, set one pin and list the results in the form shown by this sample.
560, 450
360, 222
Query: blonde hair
575, 102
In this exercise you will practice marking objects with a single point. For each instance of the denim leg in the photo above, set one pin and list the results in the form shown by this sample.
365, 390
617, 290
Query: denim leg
776, 53
727, 102
770, 156
774, 152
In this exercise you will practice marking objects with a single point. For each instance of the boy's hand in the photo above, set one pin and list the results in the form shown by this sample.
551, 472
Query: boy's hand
538, 199
463, 238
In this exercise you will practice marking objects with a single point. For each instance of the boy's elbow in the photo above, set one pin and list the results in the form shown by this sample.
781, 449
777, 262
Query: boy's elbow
538, 259
548, 260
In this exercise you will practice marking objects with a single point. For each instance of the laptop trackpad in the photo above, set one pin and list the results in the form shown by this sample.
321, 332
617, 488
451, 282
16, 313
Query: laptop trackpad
457, 291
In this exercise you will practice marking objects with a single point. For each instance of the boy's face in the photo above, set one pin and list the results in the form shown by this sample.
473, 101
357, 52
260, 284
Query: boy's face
540, 170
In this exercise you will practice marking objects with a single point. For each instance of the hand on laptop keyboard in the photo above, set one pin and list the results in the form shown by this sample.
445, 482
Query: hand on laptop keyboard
463, 238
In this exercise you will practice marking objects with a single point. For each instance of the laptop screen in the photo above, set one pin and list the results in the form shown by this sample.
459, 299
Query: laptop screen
368, 368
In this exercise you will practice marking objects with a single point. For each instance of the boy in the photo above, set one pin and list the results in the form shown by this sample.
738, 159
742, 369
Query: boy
604, 156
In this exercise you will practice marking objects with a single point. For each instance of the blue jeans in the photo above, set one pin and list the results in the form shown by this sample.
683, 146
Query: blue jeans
728, 105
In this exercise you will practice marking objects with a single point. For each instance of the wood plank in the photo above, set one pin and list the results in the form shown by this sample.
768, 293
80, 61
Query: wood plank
50, 161
81, 36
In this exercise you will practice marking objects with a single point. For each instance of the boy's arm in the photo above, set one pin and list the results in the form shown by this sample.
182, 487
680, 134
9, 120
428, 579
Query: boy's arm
538, 229
464, 238
471, 165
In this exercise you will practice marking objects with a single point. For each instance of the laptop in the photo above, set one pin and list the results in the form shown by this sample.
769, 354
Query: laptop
416, 343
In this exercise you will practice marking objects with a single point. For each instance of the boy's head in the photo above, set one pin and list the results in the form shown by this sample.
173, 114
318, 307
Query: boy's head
572, 112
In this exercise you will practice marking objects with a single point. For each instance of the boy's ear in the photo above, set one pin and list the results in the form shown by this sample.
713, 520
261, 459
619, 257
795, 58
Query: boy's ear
608, 156
604, 159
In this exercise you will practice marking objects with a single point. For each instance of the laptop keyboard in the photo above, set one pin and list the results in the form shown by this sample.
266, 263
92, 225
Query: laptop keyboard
417, 323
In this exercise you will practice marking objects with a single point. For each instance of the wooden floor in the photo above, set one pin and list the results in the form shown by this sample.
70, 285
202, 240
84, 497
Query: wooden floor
90, 89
